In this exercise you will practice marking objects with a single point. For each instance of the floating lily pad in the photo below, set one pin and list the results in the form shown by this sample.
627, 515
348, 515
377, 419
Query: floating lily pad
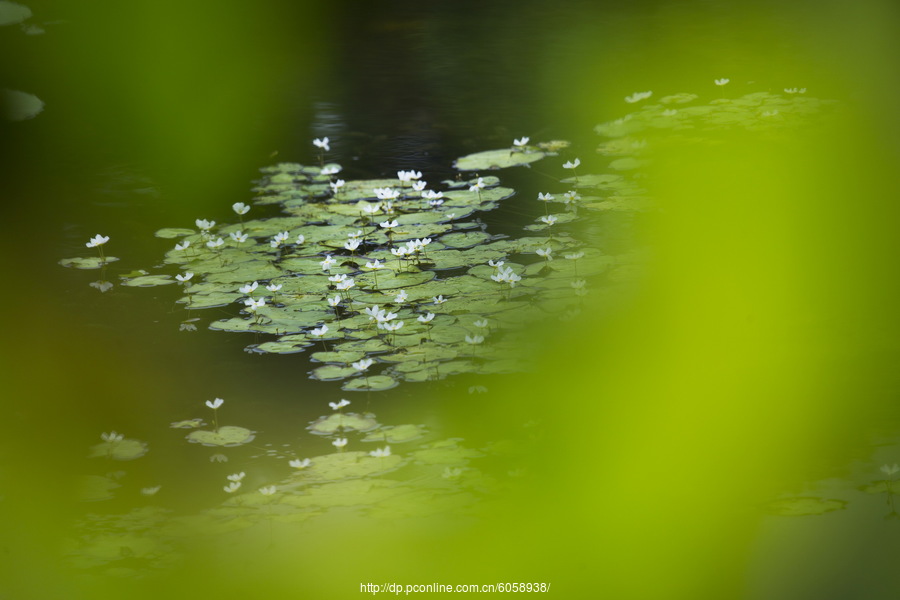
126, 449
496, 159
337, 422
93, 488
149, 281
88, 262
188, 424
373, 383
396, 434
794, 507
227, 435
169, 233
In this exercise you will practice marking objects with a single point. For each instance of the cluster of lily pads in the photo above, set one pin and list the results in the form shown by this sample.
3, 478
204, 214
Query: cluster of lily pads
391, 273
433, 477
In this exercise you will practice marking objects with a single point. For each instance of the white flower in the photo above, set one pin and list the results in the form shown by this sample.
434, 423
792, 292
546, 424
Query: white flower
520, 143
320, 331
273, 287
363, 364
185, 277
418, 186
280, 237
215, 404
496, 265
236, 477
268, 490
545, 197
252, 305
352, 245
336, 185
328, 262
300, 238
391, 326
414, 174
477, 389
355, 234
333, 302
432, 195
204, 225
322, 143
890, 470
478, 185
215, 243
232, 487
481, 323
238, 236
549, 219
383, 316
373, 312
426, 317
475, 339
575, 256
218, 458
571, 196
637, 97
337, 278
450, 216
339, 443
374, 264
545, 252
722, 81
578, 284
97, 240
571, 164
381, 452
344, 285
790, 90
401, 297
149, 491
240, 208
339, 405
112, 436
370, 209
300, 464
400, 252
187, 327
331, 170
436, 202
389, 224
183, 245
249, 288
439, 299
386, 194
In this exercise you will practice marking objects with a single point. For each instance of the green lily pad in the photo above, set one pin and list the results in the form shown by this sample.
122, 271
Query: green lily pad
126, 449
445, 452
169, 233
496, 159
337, 422
149, 281
188, 424
93, 488
88, 262
396, 434
794, 507
373, 383
227, 435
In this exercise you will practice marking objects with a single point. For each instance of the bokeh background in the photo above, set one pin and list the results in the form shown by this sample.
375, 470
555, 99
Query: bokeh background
758, 354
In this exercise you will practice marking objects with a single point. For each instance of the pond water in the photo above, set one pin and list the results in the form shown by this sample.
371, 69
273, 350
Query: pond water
716, 404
